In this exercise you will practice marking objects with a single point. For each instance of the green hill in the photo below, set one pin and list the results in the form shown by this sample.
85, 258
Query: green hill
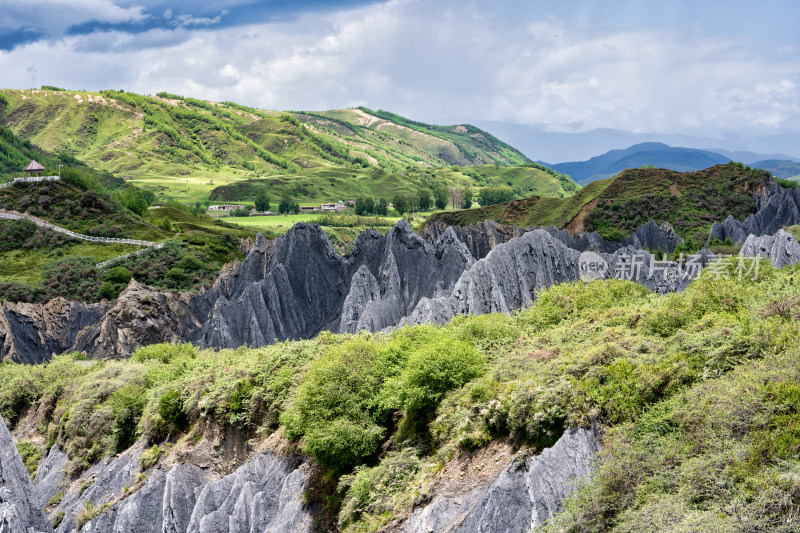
37, 264
333, 184
183, 148
690, 201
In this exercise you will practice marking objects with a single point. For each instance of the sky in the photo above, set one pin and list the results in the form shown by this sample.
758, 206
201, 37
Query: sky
699, 68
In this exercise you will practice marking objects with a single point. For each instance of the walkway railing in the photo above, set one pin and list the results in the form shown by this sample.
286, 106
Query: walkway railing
32, 179
16, 215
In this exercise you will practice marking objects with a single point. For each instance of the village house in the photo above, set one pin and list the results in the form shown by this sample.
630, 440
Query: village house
226, 207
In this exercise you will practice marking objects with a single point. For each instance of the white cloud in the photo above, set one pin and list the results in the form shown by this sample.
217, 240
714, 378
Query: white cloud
446, 62
53, 17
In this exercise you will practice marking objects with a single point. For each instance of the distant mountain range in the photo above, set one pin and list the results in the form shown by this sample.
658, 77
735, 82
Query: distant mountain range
661, 155
543, 143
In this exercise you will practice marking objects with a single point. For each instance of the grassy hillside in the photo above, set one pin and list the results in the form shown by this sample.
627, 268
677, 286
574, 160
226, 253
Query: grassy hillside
333, 184
183, 148
690, 201
697, 393
38, 264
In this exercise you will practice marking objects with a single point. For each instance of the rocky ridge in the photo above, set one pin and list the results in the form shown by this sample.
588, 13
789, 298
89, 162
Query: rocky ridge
297, 285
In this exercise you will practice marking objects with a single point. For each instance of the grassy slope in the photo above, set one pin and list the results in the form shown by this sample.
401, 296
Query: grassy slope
697, 391
333, 184
537, 211
212, 242
690, 201
71, 207
184, 149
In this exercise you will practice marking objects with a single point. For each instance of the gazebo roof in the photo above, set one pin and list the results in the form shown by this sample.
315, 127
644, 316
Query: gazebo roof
33, 166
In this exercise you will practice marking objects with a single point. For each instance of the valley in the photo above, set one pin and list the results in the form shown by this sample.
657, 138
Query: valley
395, 368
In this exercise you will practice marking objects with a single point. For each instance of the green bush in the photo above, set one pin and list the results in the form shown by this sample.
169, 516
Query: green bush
126, 405
108, 291
164, 353
74, 277
119, 275
149, 458
170, 409
31, 456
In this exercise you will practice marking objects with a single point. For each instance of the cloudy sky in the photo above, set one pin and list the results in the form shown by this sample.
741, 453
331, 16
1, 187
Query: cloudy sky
703, 68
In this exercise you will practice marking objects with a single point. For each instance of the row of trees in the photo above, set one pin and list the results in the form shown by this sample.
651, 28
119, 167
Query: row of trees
424, 200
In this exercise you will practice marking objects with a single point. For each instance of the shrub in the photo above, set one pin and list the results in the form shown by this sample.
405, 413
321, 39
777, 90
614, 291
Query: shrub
31, 455
149, 458
164, 353
126, 405
495, 195
434, 369
108, 291
74, 277
86, 514
118, 274
170, 408
177, 276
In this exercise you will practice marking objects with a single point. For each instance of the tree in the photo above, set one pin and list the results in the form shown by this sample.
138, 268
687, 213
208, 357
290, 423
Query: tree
400, 204
364, 206
424, 200
495, 195
440, 197
467, 197
262, 202
456, 197
382, 208
288, 205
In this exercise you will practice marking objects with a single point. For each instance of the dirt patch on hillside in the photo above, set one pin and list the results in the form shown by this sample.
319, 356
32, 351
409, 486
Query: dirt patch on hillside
365, 119
129, 137
674, 191
471, 469
575, 226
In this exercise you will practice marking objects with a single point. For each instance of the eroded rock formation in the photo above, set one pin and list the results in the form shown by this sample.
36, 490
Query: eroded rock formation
779, 210
20, 508
524, 496
297, 285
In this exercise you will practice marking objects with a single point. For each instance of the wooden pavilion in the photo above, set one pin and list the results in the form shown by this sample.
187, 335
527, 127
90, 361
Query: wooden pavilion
34, 168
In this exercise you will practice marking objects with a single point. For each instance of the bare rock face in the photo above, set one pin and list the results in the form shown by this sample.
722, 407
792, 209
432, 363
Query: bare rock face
102, 484
480, 238
264, 494
20, 508
776, 211
139, 317
650, 236
506, 279
523, 497
50, 474
297, 285
31, 333
782, 248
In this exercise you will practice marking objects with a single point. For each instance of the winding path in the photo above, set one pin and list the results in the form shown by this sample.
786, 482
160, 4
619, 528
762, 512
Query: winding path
16, 215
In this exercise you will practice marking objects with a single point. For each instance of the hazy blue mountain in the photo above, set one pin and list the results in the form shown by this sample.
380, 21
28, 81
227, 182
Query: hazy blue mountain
540, 143
651, 153
780, 168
